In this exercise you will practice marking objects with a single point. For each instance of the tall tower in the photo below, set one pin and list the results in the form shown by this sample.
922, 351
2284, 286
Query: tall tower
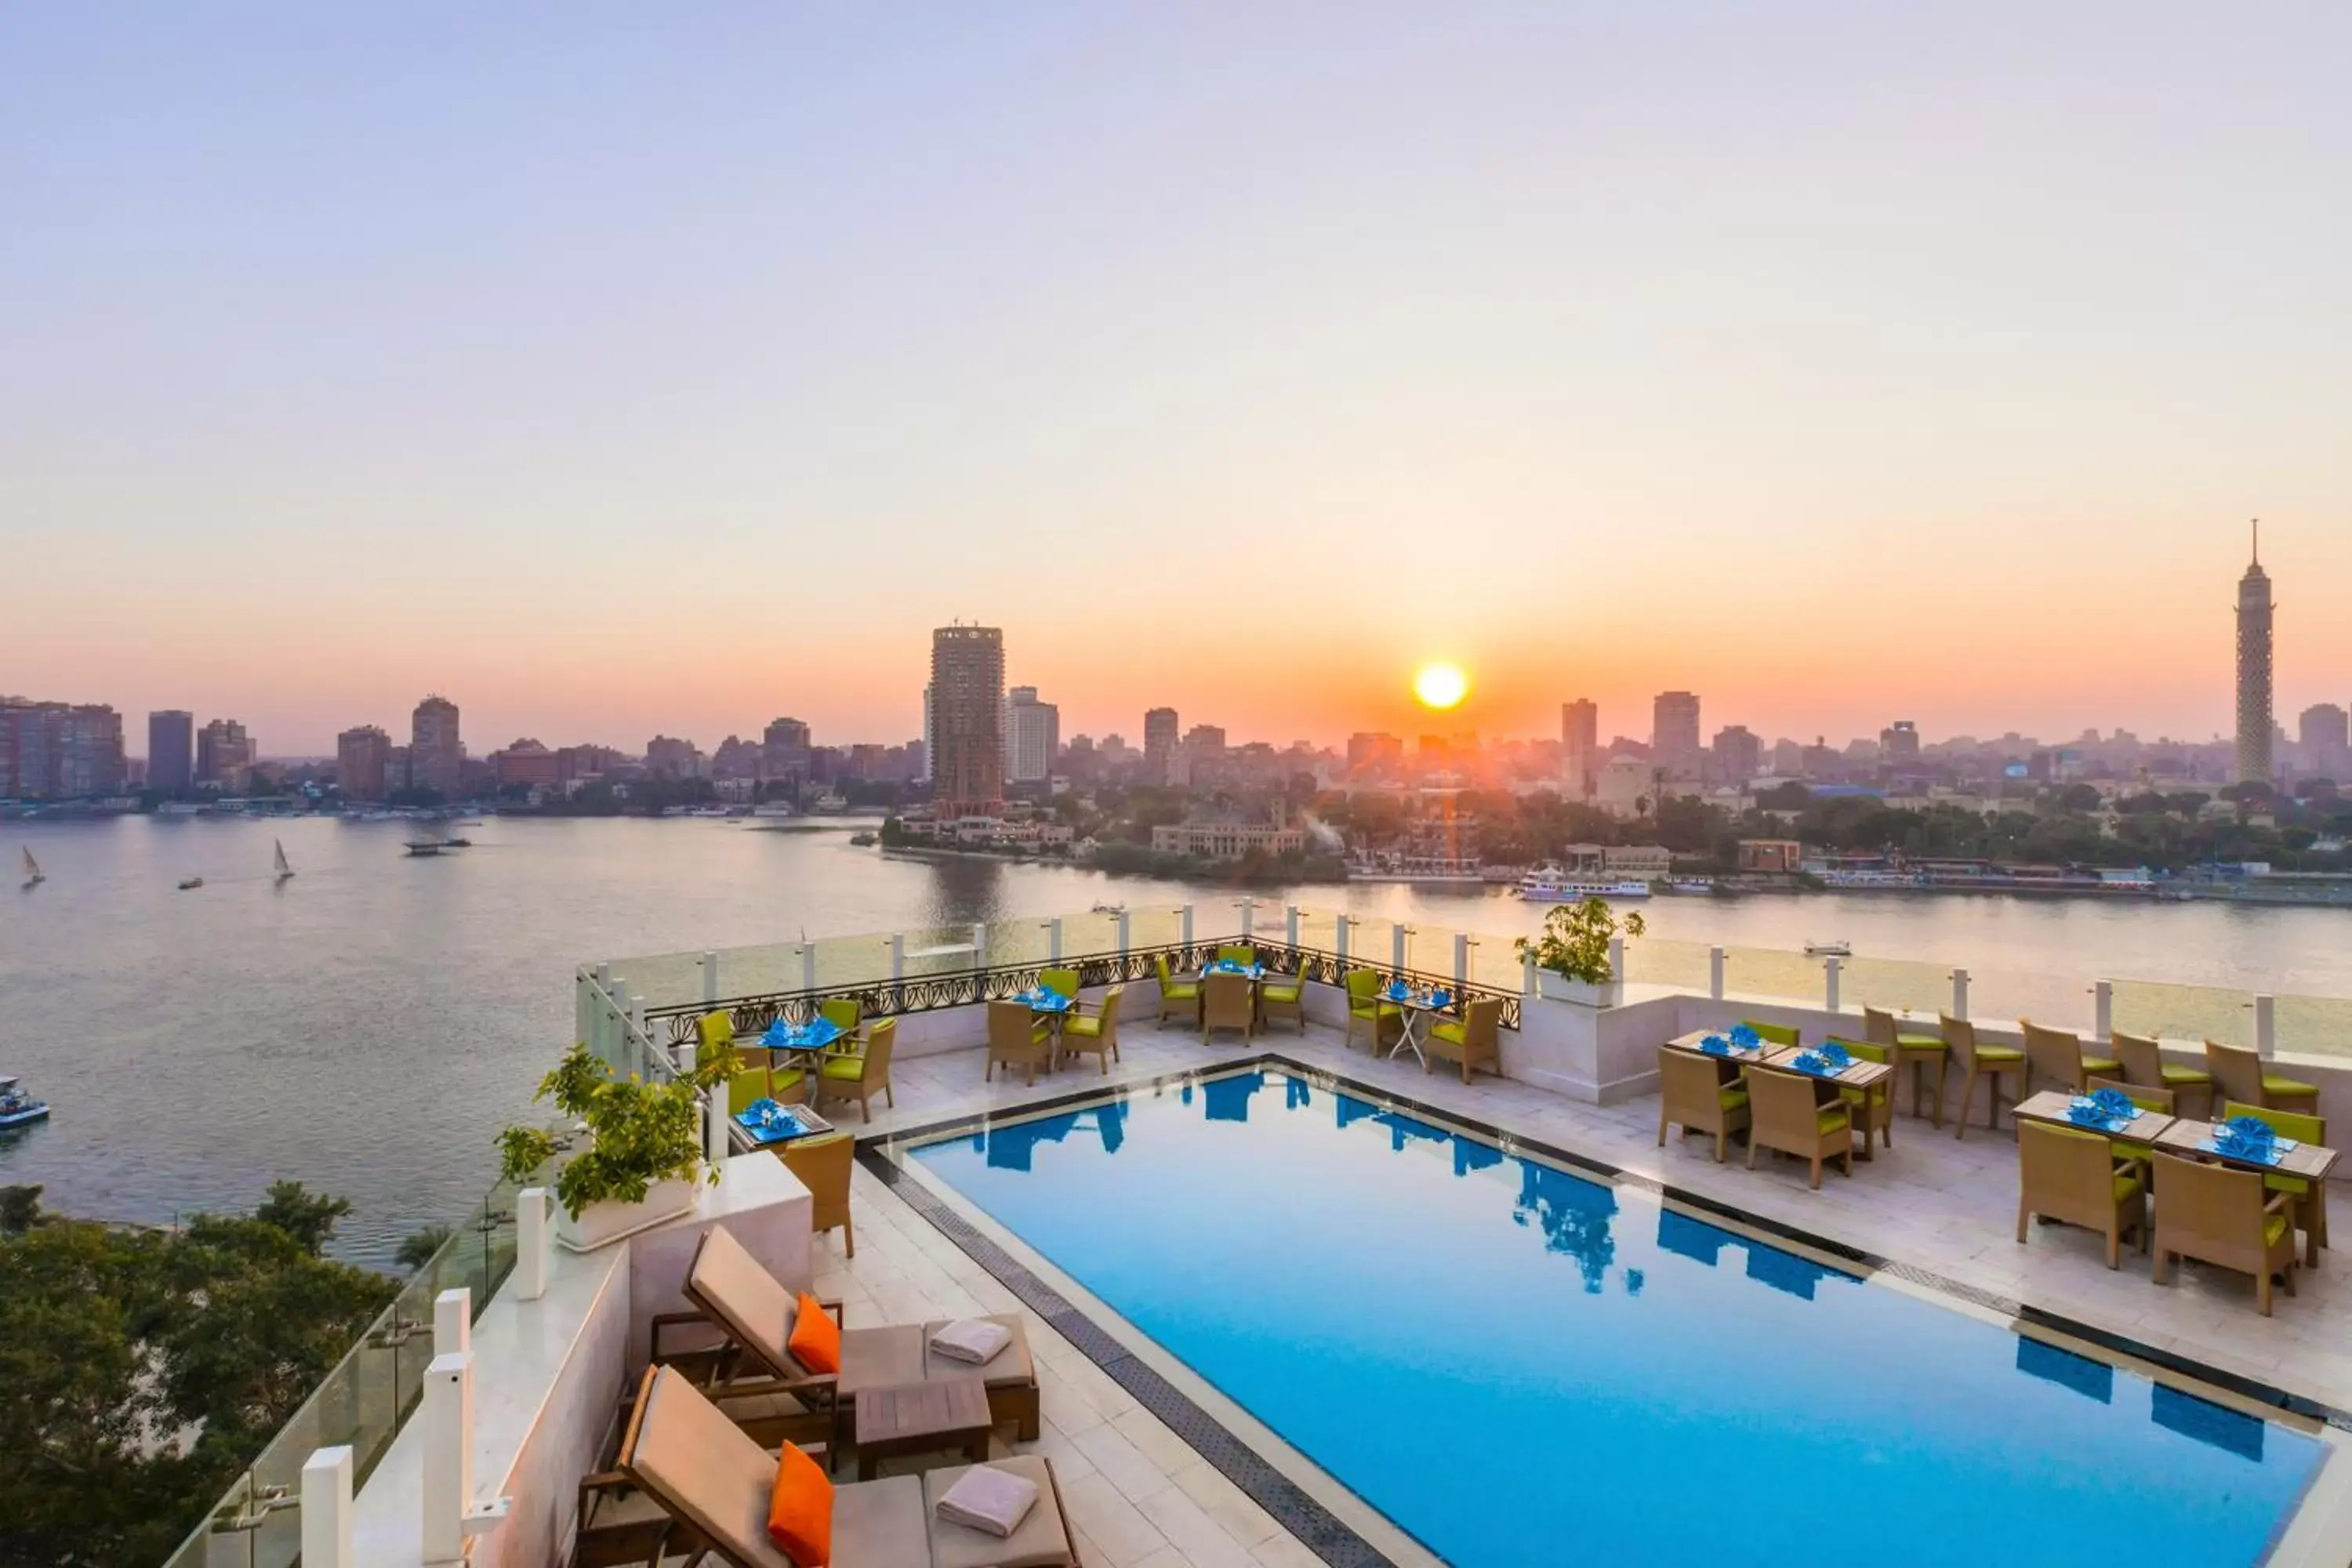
2254, 669
1580, 746
968, 722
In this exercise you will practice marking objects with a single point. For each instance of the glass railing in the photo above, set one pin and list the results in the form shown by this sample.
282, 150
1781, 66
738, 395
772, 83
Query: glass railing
2184, 1012
362, 1403
1655, 961
2319, 1025
1895, 985
1770, 971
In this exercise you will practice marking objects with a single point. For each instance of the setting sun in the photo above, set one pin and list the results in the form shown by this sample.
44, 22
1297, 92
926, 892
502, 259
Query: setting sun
1440, 685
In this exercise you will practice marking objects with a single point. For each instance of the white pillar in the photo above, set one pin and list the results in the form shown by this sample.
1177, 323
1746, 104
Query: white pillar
446, 1419
1396, 946
1461, 959
1829, 967
327, 1510
1715, 973
714, 1125
584, 1011
2103, 1010
636, 1037
1616, 961
1526, 974
1249, 917
980, 945
1123, 943
897, 957
1290, 927
453, 1321
709, 977
1961, 995
1187, 912
808, 966
1053, 939
1339, 927
531, 1243
2266, 1025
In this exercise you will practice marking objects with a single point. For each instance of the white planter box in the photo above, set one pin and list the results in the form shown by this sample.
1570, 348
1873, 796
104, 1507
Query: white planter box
1556, 987
606, 1223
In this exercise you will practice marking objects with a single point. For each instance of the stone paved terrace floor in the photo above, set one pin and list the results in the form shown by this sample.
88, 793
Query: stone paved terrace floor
1142, 1497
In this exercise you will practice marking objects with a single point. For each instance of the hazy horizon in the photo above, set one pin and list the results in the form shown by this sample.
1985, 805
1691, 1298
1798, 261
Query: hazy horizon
617, 370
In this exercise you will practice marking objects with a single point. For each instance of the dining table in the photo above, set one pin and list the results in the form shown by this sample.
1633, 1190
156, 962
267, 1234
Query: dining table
806, 1042
2288, 1157
1254, 973
1874, 1078
2055, 1107
1044, 1002
1414, 1007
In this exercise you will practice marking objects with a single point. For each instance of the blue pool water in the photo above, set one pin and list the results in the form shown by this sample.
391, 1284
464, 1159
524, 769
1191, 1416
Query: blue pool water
1518, 1367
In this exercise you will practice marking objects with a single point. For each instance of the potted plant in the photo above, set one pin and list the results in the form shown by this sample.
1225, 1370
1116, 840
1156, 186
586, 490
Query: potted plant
644, 1151
1572, 954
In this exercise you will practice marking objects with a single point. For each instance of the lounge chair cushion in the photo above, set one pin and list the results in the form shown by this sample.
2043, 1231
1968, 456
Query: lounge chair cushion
884, 1357
744, 1297
1040, 1542
800, 1509
815, 1342
880, 1524
2002, 1056
1008, 1368
703, 1466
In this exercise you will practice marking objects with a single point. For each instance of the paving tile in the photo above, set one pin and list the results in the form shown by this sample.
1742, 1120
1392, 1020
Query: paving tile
1125, 1466
1123, 1535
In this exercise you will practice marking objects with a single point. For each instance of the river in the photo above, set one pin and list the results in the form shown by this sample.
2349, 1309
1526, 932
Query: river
367, 1027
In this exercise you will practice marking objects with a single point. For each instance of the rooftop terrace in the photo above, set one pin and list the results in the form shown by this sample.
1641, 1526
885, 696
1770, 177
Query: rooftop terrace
1155, 1466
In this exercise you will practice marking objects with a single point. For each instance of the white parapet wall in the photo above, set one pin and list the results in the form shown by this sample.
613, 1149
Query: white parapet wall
549, 1374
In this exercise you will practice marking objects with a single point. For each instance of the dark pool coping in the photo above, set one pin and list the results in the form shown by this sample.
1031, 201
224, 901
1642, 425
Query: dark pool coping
1322, 1531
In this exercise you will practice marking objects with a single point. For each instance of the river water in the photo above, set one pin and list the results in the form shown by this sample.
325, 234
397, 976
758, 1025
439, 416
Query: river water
367, 1027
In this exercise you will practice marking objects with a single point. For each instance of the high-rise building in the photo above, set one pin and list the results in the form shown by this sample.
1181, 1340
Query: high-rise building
59, 751
2254, 759
225, 756
171, 750
1580, 746
1738, 754
967, 721
436, 757
2325, 739
1035, 735
363, 762
531, 764
667, 756
1674, 735
784, 750
1898, 744
1371, 753
930, 742
1161, 765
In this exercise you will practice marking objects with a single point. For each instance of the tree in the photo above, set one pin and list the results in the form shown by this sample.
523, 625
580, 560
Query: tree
417, 1250
20, 1209
309, 1217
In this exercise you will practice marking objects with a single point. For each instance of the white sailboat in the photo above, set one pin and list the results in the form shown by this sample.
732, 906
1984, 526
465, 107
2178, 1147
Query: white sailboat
34, 875
278, 855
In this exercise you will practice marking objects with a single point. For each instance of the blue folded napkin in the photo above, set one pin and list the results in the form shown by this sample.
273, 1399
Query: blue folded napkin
2083, 1113
2116, 1103
2237, 1149
2088, 1109
1744, 1036
1439, 998
2251, 1128
1715, 1046
1836, 1055
1399, 991
1815, 1063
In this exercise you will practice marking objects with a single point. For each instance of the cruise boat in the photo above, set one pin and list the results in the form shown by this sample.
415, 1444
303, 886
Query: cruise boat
18, 1109
1558, 887
1696, 886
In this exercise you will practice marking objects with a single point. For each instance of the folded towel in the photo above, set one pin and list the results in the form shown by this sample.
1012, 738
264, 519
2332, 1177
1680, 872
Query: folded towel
985, 1498
974, 1340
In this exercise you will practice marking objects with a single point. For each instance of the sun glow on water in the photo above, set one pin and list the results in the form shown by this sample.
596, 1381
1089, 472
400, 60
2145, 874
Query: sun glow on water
1440, 685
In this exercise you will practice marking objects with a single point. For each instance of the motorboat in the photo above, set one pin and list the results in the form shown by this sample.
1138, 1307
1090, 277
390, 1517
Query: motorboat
189, 883
422, 846
1558, 887
18, 1109
1692, 886
862, 840
1828, 949
34, 875
1103, 909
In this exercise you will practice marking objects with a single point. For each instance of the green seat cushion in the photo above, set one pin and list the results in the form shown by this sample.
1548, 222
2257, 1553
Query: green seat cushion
838, 1068
2294, 1184
2123, 1150
1181, 989
2125, 1187
2273, 1229
1282, 993
1921, 1042
2173, 1074
2003, 1056
1082, 1024
1833, 1119
2272, 1085
2100, 1067
1366, 1009
1730, 1098
1452, 1034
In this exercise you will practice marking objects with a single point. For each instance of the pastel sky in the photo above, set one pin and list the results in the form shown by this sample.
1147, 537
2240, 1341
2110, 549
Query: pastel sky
619, 368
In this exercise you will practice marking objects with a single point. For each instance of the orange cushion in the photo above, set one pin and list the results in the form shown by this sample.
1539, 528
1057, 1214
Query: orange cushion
816, 1338
800, 1514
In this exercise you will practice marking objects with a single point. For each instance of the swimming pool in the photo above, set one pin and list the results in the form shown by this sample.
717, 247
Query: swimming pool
1517, 1364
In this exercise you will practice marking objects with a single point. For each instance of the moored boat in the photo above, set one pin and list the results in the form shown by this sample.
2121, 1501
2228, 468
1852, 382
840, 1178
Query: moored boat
190, 882
17, 1108
1558, 887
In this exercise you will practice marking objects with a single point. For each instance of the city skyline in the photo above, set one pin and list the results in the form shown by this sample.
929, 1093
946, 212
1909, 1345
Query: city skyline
1578, 328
